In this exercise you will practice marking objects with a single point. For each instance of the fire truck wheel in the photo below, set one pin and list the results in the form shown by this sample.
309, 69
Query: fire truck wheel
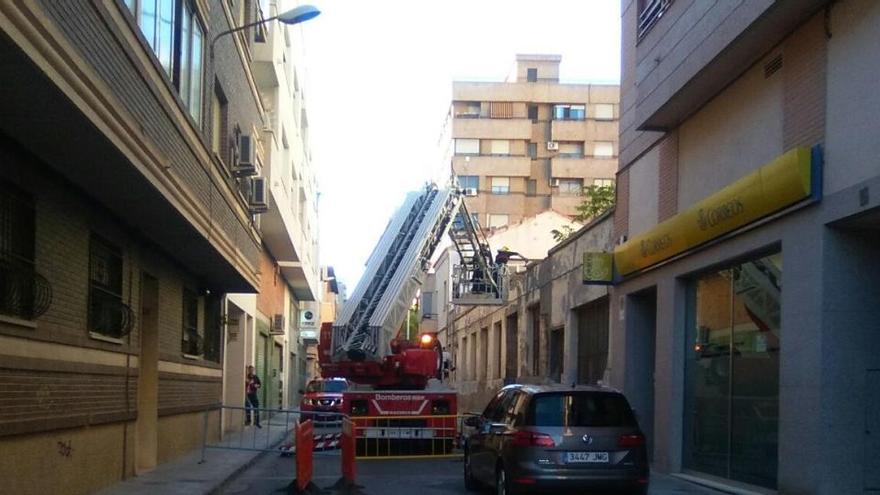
470, 483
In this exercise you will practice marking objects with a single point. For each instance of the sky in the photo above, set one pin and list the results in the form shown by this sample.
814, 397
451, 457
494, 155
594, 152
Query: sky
379, 85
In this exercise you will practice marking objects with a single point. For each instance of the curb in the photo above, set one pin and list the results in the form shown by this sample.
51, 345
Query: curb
242, 468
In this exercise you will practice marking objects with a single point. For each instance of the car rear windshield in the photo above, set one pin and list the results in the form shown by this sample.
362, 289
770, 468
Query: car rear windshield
327, 386
580, 409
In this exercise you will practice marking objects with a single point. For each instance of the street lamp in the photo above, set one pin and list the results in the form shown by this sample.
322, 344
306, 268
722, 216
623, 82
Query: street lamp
293, 16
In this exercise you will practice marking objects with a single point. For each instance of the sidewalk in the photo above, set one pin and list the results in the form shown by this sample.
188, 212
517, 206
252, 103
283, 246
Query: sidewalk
187, 476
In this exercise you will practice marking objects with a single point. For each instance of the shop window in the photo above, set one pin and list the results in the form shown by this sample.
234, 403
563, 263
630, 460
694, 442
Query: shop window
17, 231
732, 372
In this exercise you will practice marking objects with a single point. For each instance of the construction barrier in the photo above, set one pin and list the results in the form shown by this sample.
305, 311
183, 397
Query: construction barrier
348, 451
398, 437
305, 442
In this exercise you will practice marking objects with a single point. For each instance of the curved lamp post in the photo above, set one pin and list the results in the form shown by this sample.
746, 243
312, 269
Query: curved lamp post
293, 16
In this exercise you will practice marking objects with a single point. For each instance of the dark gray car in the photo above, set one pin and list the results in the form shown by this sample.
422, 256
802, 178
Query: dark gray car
551, 438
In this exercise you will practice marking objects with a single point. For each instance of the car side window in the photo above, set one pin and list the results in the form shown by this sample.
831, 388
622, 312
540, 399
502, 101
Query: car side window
508, 407
491, 410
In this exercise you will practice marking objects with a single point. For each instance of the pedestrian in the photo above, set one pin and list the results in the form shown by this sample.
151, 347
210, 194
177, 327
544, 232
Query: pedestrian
252, 385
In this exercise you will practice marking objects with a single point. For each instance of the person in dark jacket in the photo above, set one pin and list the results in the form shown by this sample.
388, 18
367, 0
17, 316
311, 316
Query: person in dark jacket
252, 386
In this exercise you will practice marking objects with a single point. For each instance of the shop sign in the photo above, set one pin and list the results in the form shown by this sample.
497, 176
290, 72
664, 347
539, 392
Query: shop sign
788, 179
598, 268
308, 324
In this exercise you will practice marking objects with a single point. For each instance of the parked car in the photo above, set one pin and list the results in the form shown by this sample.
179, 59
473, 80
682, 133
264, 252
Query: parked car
322, 400
536, 438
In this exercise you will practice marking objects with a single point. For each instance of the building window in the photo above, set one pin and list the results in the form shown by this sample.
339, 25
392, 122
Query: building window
107, 314
469, 182
650, 11
500, 185
176, 35
732, 372
533, 150
603, 111
571, 150
213, 340
532, 74
496, 221
569, 112
603, 149
469, 109
569, 187
533, 113
220, 123
17, 232
531, 187
467, 146
603, 182
500, 147
191, 343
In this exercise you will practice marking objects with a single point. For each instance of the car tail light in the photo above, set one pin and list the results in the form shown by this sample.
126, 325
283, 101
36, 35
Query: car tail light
531, 439
629, 441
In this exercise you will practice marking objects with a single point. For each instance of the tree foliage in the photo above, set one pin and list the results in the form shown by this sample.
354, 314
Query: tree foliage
597, 200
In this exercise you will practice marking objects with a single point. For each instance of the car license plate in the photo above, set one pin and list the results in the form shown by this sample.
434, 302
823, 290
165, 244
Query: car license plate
586, 457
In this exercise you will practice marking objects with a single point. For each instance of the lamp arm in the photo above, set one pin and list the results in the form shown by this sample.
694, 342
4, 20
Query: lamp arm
239, 28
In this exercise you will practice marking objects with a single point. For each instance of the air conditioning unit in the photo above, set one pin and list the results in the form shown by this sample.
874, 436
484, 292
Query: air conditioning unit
470, 191
552, 146
245, 164
277, 325
259, 200
554, 182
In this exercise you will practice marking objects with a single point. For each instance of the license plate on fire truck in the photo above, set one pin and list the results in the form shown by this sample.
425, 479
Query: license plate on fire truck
398, 433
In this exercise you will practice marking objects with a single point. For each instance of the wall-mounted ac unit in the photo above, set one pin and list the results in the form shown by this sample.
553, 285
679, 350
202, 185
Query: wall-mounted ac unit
259, 200
245, 164
277, 325
470, 191
554, 182
552, 146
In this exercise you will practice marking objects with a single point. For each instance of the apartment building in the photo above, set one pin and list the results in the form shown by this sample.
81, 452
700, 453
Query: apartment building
123, 221
267, 324
744, 324
531, 143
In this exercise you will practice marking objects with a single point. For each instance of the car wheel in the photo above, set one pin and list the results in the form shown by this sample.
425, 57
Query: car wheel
503, 485
470, 483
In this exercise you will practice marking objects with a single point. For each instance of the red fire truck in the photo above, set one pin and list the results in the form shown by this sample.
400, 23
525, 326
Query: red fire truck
401, 406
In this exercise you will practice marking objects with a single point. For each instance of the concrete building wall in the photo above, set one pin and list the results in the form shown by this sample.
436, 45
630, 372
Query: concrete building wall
746, 120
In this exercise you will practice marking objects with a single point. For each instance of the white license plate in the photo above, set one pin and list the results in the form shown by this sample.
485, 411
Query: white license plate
586, 457
397, 433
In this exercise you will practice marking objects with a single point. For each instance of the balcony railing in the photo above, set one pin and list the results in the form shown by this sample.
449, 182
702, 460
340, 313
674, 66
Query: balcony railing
650, 14
24, 293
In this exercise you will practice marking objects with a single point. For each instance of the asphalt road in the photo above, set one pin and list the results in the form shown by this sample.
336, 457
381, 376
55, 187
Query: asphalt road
274, 474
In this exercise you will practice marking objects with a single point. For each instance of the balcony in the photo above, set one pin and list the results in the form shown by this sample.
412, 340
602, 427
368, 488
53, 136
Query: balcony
492, 128
569, 130
587, 167
500, 165
567, 205
267, 45
689, 53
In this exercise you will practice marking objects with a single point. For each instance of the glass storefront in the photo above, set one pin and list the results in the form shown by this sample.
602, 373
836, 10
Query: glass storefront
732, 372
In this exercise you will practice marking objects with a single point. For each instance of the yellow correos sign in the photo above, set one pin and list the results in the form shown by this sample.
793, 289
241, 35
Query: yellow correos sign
782, 182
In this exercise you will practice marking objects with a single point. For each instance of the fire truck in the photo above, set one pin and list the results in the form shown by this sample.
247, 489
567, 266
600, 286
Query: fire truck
399, 388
